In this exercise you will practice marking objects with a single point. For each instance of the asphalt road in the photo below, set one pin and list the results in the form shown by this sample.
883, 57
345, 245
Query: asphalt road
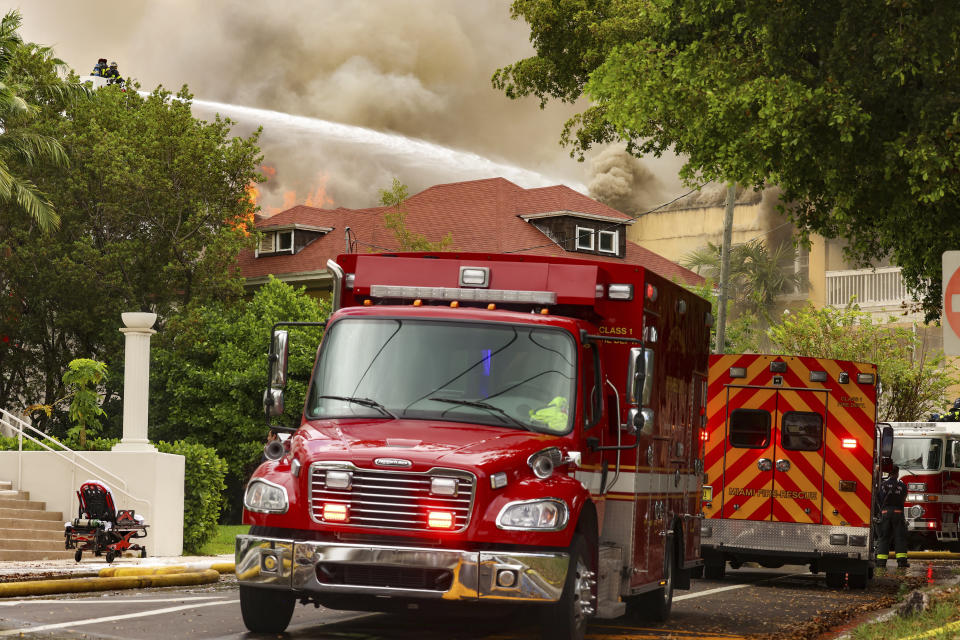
747, 602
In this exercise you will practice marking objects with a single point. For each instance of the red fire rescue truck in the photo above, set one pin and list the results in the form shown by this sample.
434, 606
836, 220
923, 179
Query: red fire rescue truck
928, 454
791, 465
487, 429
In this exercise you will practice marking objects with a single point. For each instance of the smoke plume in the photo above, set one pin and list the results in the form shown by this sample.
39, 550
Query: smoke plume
420, 68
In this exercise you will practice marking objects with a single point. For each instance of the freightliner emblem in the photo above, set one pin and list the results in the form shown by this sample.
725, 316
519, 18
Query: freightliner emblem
392, 462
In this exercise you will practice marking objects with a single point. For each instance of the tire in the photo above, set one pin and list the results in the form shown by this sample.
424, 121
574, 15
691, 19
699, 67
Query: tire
858, 580
266, 610
655, 606
714, 570
110, 556
567, 619
835, 579
78, 555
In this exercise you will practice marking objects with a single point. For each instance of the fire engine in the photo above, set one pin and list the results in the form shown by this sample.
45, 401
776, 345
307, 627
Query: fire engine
485, 429
928, 454
791, 465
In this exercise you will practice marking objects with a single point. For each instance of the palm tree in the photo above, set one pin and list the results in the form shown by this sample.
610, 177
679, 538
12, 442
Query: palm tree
757, 276
17, 89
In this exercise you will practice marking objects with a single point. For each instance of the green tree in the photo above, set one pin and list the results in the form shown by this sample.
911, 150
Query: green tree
912, 382
757, 274
210, 371
154, 213
852, 107
396, 221
82, 378
28, 73
742, 333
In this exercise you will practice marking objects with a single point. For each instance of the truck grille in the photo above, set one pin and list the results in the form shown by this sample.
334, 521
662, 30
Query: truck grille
391, 499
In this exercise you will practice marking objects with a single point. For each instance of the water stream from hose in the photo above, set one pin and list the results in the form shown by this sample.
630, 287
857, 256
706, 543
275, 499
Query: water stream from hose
401, 150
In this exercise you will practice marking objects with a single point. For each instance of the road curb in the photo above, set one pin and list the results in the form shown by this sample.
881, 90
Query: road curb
78, 585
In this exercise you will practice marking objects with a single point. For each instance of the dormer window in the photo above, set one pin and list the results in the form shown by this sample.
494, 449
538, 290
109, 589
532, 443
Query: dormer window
584, 239
276, 242
608, 241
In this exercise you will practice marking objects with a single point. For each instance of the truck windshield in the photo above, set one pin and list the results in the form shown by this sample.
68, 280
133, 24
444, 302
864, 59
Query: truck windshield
917, 453
513, 376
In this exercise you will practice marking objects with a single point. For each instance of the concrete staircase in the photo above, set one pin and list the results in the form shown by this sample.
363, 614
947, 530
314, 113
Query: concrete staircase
27, 530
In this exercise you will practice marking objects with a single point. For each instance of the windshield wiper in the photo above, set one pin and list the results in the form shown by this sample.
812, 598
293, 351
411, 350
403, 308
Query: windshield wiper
366, 402
484, 405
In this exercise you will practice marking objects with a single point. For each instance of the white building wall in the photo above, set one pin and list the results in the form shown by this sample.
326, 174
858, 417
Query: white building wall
150, 482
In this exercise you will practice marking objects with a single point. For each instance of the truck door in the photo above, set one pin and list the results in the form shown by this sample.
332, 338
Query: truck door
773, 468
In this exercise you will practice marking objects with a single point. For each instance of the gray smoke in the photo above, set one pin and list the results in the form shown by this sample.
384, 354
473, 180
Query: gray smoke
420, 68
624, 182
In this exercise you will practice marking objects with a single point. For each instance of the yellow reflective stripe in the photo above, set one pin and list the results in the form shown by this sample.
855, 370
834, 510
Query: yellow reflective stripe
899, 555
882, 556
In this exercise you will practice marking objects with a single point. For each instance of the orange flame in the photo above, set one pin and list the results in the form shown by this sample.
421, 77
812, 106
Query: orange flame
316, 197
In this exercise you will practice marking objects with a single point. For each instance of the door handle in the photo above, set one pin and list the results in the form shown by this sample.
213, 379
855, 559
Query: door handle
783, 465
764, 464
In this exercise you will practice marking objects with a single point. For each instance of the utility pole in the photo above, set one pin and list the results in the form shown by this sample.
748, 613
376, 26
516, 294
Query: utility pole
725, 268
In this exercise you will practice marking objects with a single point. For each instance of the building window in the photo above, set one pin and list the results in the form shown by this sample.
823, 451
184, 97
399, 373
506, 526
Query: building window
608, 241
276, 242
584, 239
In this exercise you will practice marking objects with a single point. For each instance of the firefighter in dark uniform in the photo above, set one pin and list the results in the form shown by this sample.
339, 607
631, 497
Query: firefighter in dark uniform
893, 492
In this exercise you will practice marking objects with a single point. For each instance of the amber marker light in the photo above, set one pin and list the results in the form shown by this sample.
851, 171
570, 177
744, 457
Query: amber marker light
544, 311
440, 519
454, 304
334, 512
418, 303
491, 307
849, 443
368, 302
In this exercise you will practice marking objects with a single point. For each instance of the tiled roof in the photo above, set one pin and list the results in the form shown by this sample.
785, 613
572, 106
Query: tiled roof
480, 215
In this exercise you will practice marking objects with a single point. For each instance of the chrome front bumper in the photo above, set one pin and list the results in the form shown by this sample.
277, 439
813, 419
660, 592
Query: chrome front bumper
473, 575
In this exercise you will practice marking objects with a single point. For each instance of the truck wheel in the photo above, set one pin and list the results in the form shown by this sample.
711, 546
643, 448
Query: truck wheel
266, 610
835, 579
858, 580
655, 605
715, 570
567, 619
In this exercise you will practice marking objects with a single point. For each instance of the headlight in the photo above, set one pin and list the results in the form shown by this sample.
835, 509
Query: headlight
917, 486
265, 497
541, 515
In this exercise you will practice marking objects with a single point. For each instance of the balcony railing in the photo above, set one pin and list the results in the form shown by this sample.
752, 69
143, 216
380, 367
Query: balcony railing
880, 287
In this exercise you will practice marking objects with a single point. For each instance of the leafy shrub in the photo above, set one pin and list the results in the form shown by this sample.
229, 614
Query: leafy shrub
202, 491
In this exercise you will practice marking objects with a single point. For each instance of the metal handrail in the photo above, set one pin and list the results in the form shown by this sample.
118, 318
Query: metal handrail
19, 426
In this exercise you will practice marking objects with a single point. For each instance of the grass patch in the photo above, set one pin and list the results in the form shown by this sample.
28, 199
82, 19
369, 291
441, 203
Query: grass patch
940, 621
223, 541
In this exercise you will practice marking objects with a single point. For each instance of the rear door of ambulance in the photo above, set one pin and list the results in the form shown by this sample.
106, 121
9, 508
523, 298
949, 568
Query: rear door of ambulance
773, 431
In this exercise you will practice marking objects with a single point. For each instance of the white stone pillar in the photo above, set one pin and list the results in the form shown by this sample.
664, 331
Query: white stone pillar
136, 384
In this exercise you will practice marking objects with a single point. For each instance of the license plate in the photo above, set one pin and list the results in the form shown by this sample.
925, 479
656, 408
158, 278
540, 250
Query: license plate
707, 494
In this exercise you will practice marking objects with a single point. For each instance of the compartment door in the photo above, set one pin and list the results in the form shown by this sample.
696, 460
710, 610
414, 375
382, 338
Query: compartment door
749, 453
797, 494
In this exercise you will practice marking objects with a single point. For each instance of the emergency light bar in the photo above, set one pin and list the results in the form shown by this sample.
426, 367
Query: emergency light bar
450, 294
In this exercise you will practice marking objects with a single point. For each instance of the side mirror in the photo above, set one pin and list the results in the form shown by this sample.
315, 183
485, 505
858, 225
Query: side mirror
278, 359
640, 421
886, 441
635, 376
647, 383
273, 402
